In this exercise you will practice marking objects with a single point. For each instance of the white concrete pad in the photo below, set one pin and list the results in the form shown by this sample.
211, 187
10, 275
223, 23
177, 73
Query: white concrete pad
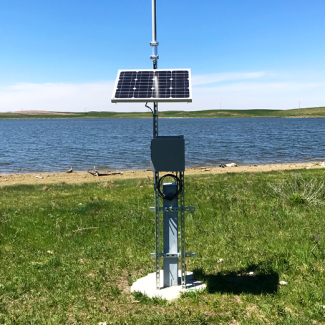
147, 286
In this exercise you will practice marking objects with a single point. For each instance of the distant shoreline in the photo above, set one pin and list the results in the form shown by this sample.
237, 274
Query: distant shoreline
313, 112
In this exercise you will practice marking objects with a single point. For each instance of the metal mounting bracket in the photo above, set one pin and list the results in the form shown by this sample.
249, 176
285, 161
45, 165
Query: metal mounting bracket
171, 209
167, 255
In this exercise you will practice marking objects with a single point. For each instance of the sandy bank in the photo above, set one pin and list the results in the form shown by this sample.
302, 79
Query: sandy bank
84, 177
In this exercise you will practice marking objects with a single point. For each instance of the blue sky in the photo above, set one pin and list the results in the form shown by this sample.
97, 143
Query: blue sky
64, 55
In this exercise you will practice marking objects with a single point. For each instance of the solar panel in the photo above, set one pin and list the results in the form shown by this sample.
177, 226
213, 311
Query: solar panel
160, 85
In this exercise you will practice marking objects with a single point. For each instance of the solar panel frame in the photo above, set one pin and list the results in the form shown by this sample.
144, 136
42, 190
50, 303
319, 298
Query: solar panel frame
172, 85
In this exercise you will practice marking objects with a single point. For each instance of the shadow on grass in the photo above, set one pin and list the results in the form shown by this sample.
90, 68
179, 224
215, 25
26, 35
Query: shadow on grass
240, 281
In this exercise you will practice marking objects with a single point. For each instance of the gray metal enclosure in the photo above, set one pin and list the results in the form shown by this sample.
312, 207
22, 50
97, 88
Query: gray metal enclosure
168, 153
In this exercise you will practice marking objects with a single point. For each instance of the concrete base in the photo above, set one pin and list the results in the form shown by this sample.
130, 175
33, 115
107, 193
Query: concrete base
147, 286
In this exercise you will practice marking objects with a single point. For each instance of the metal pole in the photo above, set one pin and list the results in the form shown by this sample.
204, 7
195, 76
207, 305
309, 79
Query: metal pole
154, 42
157, 231
154, 26
154, 57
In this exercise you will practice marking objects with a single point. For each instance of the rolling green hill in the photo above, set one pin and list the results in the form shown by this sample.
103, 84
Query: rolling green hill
224, 113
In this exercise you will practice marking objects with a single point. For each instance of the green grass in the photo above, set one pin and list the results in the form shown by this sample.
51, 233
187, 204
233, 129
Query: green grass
69, 253
302, 112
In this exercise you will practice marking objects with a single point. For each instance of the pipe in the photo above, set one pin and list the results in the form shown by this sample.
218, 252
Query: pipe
154, 42
154, 26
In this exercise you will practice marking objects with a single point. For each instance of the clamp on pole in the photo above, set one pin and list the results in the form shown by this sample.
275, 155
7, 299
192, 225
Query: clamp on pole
154, 55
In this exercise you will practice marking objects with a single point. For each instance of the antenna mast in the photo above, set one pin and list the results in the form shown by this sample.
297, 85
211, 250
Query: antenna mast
174, 203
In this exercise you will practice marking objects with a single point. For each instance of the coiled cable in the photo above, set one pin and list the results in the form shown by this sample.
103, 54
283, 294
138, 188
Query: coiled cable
172, 195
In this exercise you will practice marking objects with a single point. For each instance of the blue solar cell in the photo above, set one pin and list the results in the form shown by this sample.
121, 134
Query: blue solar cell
159, 85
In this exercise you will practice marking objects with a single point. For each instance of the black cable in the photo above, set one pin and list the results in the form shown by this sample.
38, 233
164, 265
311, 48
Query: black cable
173, 195
148, 107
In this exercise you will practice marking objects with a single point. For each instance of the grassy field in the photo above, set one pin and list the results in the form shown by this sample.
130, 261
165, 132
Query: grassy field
303, 112
69, 253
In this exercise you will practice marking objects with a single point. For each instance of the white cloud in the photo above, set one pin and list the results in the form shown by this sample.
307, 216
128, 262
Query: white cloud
269, 95
218, 77
57, 96
242, 91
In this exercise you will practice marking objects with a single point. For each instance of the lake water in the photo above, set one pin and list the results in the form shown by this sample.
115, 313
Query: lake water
51, 145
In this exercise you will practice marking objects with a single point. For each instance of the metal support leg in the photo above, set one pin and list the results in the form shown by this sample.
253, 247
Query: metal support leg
170, 237
157, 231
156, 181
182, 215
170, 252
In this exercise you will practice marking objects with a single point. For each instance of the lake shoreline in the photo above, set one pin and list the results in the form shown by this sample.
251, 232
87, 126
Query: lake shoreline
85, 177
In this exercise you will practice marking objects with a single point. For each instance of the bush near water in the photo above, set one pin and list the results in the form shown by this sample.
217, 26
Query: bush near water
69, 253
